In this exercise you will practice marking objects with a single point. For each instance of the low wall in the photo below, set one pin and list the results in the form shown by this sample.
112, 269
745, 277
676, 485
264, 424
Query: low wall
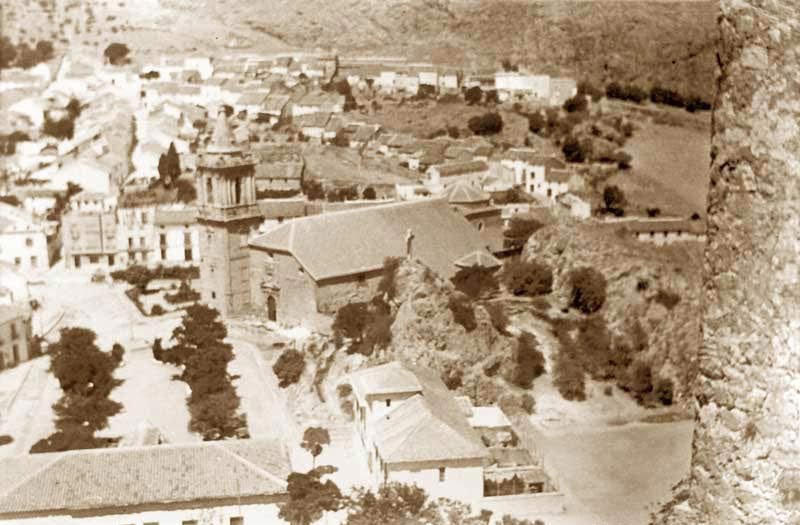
524, 506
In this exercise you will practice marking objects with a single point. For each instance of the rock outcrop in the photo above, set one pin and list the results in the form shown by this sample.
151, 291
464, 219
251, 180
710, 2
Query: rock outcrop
658, 286
746, 452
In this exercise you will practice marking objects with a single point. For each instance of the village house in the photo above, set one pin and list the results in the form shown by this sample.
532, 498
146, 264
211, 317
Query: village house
318, 102
562, 89
87, 201
177, 236
16, 334
312, 126
234, 482
363, 134
89, 239
252, 103
23, 240
37, 201
666, 231
280, 168
512, 85
280, 66
443, 175
14, 286
545, 176
89, 175
412, 429
314, 265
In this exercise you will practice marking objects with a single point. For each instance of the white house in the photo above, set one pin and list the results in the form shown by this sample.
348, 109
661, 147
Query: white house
235, 482
201, 64
511, 84
442, 175
412, 430
23, 241
87, 174
177, 236
667, 230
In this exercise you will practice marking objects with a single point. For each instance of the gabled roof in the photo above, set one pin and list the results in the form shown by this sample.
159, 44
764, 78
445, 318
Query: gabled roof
430, 426
116, 478
252, 98
356, 241
313, 120
390, 378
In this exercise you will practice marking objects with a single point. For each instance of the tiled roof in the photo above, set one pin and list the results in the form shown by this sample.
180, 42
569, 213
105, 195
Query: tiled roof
481, 258
558, 175
390, 378
462, 168
313, 120
172, 217
252, 98
283, 208
356, 241
464, 193
430, 426
122, 477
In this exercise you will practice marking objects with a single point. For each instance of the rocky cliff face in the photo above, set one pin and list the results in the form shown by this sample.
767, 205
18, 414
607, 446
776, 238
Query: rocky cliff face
746, 457
658, 286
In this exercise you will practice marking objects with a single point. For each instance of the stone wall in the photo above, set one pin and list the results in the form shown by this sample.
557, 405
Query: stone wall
747, 390
332, 294
280, 275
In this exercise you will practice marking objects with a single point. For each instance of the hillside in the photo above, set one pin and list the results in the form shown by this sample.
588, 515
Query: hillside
660, 287
669, 43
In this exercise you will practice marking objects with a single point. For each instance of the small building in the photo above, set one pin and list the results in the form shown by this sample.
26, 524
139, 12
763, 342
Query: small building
443, 175
666, 231
280, 168
228, 482
476, 206
314, 265
312, 125
23, 240
562, 89
16, 334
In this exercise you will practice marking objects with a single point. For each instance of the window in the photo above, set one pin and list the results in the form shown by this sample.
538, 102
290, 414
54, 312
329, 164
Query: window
28, 242
17, 261
14, 333
163, 239
130, 242
189, 522
141, 242
441, 474
111, 260
187, 254
76, 259
388, 402
34, 261
480, 226
16, 353
213, 295
187, 238
150, 523
237, 186
93, 259
237, 520
163, 254
209, 191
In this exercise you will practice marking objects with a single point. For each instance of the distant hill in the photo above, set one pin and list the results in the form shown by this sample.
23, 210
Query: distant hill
665, 43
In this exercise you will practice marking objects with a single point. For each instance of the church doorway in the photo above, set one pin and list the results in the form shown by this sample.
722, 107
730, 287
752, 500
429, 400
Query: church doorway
272, 309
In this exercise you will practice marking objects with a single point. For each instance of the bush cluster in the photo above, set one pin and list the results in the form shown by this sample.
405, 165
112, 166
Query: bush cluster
463, 311
367, 325
486, 124
139, 276
475, 282
185, 294
22, 55
527, 361
588, 289
527, 278
289, 367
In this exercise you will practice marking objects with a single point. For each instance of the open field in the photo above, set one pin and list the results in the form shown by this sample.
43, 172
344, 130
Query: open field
345, 165
670, 169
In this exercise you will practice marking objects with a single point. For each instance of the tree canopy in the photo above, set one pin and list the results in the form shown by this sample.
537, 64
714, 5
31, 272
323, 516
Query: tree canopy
310, 497
117, 54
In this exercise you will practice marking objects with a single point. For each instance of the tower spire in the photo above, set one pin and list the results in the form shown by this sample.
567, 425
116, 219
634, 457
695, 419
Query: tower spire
222, 137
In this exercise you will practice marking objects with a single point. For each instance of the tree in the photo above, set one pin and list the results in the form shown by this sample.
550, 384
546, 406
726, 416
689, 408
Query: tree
587, 88
537, 122
574, 150
576, 104
473, 95
588, 289
309, 497
117, 54
350, 321
169, 166
520, 230
312, 188
486, 124
508, 65
568, 377
59, 129
614, 199
475, 282
44, 50
527, 278
369, 194
527, 361
186, 191
8, 52
462, 310
392, 504
289, 367
26, 56
314, 438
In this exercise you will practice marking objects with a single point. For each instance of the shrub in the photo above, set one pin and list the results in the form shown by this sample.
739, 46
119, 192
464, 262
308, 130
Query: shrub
117, 54
463, 313
520, 230
576, 104
613, 198
369, 194
452, 375
588, 289
623, 160
528, 361
312, 188
498, 317
528, 403
638, 380
289, 367
568, 377
653, 212
667, 299
663, 391
387, 284
574, 150
185, 294
475, 282
486, 124
536, 122
587, 88
5, 439
529, 278
345, 393
157, 309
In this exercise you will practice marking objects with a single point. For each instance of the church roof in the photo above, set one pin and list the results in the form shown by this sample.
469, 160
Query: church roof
480, 258
463, 193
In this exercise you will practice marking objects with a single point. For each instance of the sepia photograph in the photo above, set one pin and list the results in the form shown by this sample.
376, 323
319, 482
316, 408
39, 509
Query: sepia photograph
400, 262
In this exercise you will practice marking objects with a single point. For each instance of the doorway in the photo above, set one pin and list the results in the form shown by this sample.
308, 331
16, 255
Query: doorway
272, 308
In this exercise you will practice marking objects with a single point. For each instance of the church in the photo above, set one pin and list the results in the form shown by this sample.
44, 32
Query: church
303, 270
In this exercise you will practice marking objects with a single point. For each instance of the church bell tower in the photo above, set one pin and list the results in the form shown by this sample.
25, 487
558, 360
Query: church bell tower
228, 214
